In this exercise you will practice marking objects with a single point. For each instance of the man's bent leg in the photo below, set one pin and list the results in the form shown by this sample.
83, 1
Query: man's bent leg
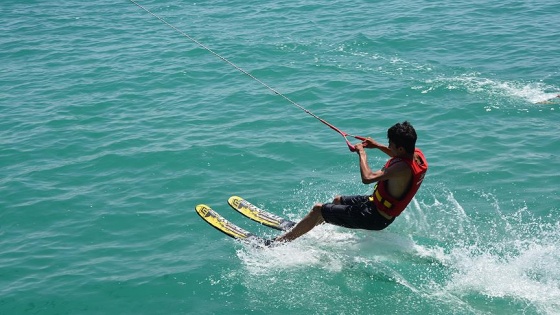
312, 219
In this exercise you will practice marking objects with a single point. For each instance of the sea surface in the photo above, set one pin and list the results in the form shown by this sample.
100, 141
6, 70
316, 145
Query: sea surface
116, 122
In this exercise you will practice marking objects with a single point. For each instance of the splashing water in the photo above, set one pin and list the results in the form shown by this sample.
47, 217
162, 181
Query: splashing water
456, 260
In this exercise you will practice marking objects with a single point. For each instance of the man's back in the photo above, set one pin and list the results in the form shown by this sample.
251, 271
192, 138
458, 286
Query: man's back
398, 186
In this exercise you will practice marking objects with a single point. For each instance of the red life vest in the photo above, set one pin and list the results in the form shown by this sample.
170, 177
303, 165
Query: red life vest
391, 205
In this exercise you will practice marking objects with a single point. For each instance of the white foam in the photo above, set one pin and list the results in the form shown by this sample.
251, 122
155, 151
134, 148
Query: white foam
320, 248
436, 250
497, 90
532, 275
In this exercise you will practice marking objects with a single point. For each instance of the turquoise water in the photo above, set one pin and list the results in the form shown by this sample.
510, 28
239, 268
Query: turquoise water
114, 126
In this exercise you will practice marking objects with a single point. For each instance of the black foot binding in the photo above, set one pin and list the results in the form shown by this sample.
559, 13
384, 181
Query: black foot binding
269, 242
273, 242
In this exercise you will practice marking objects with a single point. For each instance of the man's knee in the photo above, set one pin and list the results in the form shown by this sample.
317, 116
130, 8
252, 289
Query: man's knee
336, 200
317, 212
317, 208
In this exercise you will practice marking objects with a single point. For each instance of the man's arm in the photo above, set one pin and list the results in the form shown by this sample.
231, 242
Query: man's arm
372, 144
369, 176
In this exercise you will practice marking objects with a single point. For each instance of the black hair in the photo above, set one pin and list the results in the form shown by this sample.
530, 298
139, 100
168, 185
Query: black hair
403, 135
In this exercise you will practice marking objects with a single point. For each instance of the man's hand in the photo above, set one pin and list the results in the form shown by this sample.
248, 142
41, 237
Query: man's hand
359, 147
370, 143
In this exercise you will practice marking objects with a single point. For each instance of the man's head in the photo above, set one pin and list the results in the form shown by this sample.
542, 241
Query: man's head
402, 135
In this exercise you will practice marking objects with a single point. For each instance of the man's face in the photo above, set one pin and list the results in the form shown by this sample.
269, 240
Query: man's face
393, 148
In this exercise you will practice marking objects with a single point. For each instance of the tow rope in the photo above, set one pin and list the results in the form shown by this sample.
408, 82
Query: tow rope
342, 133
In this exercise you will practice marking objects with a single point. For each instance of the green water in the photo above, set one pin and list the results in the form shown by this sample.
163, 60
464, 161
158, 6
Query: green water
114, 126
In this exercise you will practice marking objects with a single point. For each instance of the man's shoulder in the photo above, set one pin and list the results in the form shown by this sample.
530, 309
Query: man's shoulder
400, 165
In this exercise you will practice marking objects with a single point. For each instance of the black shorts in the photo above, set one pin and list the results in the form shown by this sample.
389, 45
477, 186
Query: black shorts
355, 212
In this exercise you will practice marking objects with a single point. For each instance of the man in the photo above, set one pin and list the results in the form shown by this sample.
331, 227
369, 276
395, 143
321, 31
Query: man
397, 183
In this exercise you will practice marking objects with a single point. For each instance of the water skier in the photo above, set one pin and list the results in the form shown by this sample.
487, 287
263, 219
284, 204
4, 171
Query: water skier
397, 183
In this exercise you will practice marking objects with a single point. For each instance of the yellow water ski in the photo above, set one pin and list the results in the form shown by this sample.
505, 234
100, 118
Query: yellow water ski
254, 213
217, 221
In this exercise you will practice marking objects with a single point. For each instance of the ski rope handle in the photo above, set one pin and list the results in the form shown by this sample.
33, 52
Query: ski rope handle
351, 147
